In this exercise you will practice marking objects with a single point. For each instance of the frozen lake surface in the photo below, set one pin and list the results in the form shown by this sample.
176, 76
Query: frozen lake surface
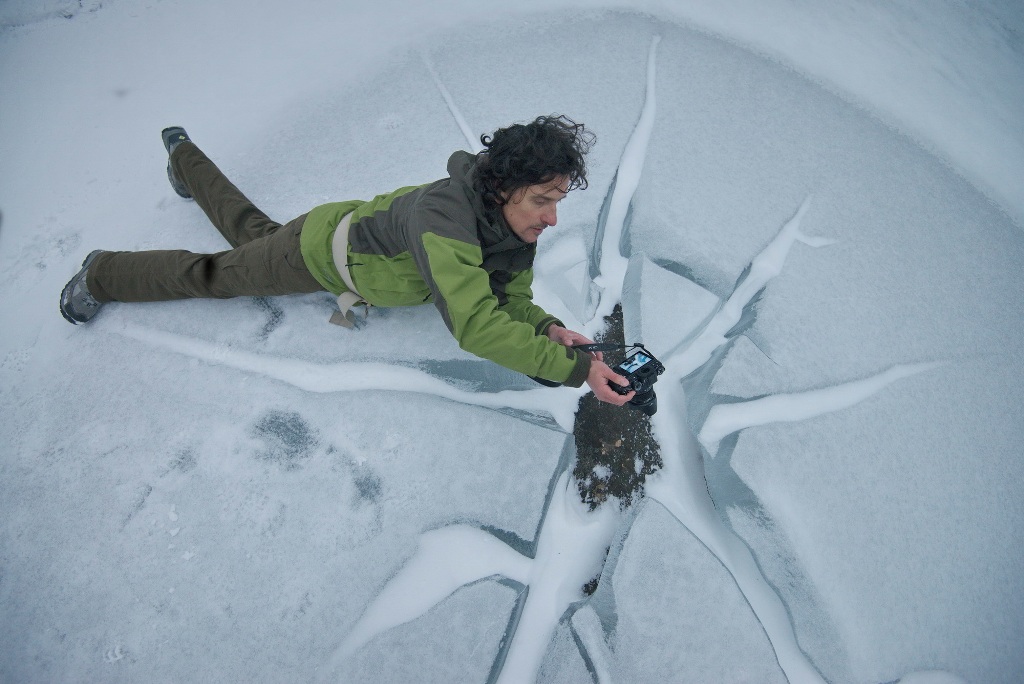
813, 217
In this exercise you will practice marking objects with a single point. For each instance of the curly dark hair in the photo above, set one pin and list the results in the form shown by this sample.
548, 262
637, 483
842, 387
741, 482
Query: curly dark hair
530, 154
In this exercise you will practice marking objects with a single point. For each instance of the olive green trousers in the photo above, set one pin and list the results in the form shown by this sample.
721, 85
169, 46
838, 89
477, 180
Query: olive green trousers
265, 258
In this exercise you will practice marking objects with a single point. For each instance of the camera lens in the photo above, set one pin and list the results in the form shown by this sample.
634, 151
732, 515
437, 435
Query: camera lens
645, 401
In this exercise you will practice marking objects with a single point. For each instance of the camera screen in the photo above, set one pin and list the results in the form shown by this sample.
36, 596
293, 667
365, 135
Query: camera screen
634, 362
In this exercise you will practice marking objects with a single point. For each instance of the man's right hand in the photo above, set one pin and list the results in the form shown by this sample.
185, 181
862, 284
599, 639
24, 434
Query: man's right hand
600, 375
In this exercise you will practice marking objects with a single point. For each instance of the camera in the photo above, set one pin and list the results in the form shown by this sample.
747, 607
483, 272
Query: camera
642, 371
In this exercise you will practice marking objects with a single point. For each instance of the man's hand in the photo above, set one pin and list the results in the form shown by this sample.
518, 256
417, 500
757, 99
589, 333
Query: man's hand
600, 373
557, 333
599, 377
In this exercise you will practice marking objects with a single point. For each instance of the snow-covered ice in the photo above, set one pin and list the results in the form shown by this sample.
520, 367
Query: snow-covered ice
238, 491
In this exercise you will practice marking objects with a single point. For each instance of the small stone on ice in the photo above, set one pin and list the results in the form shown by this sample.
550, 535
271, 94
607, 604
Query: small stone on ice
187, 555
174, 532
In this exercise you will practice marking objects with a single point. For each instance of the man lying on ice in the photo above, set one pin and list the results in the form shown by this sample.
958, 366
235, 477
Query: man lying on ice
466, 243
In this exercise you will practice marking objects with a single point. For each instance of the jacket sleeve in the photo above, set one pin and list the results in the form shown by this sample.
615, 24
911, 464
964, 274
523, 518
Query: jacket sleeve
462, 293
520, 306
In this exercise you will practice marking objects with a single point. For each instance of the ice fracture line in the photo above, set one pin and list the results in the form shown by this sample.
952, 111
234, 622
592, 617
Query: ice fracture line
570, 552
680, 486
681, 361
446, 559
612, 263
725, 419
354, 376
467, 132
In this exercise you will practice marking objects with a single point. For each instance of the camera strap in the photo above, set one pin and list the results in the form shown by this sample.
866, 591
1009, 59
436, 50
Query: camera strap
602, 347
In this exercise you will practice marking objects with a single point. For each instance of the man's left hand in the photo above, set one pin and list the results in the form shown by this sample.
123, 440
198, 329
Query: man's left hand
557, 333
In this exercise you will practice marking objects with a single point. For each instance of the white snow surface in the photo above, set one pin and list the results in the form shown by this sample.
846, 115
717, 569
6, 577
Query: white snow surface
239, 491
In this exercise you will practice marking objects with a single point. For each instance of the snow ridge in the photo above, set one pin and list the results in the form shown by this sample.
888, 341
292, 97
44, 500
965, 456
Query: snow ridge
681, 486
609, 255
467, 132
358, 376
724, 419
765, 266
446, 560
570, 551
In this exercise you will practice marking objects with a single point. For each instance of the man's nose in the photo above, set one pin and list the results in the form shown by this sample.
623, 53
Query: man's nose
550, 217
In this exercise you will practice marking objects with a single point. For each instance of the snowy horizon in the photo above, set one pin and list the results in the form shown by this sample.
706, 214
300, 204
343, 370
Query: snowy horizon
810, 212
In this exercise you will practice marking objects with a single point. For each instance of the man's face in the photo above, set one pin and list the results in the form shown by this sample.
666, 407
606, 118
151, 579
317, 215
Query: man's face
528, 211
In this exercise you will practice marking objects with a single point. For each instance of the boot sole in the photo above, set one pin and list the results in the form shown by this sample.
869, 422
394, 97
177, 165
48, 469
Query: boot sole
175, 182
65, 294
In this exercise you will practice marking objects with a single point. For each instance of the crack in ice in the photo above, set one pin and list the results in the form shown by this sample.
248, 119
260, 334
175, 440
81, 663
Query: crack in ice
680, 486
357, 376
725, 419
589, 635
609, 258
681, 361
460, 120
446, 559
570, 550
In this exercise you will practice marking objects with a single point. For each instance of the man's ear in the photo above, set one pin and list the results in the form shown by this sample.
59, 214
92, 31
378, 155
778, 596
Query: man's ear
513, 197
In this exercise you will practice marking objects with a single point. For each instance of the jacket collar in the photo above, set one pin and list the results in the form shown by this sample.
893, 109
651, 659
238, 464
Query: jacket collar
492, 229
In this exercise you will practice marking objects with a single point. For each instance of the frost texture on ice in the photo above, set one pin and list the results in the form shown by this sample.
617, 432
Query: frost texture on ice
648, 320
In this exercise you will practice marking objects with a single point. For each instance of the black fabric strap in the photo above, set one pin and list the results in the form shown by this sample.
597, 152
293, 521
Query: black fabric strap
601, 347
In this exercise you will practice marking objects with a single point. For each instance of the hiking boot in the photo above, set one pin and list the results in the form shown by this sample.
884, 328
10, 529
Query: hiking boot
77, 304
172, 137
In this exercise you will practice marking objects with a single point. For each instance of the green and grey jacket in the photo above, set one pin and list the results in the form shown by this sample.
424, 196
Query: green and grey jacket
439, 243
